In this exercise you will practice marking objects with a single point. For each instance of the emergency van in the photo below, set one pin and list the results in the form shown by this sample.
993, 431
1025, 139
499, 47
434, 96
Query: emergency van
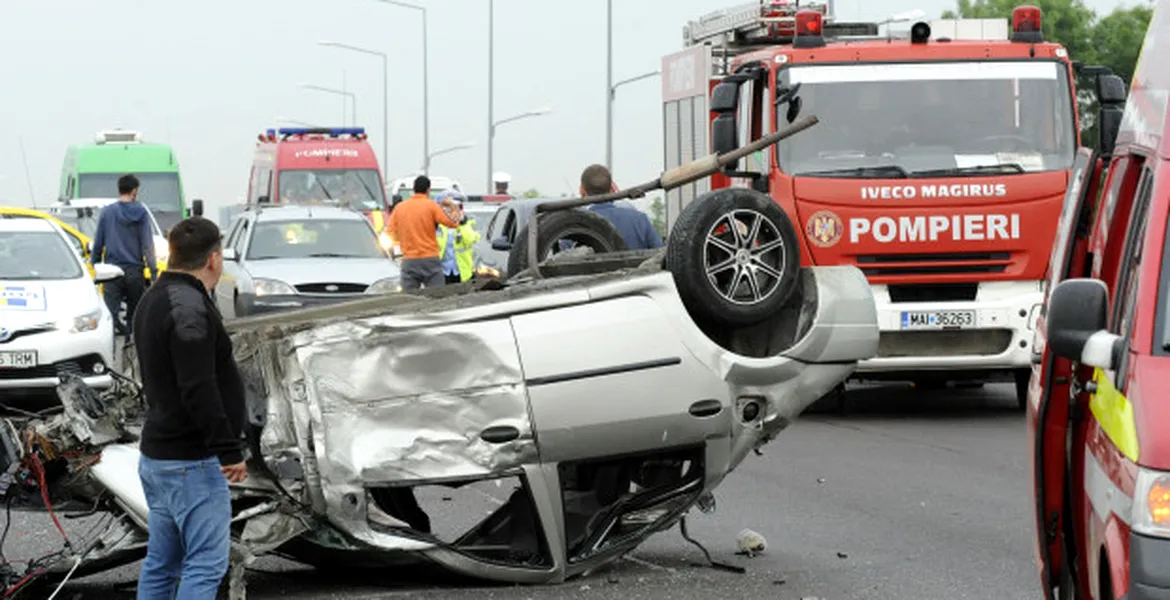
318, 165
92, 171
1098, 411
403, 187
937, 167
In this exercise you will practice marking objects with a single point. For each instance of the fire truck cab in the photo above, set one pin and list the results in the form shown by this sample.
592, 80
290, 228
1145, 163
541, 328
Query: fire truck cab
1098, 413
938, 165
318, 165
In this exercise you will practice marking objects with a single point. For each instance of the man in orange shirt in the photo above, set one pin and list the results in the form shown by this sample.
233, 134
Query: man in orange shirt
413, 224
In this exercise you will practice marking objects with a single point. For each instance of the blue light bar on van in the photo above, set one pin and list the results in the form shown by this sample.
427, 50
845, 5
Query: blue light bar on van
330, 131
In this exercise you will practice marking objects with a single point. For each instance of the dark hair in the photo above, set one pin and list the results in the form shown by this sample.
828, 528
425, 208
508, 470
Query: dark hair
192, 241
422, 184
596, 181
127, 184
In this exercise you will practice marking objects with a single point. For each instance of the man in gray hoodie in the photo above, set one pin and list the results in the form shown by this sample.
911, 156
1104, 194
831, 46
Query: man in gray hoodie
126, 239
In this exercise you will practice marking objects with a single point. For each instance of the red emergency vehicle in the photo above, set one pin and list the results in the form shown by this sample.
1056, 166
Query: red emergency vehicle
937, 166
323, 165
1098, 412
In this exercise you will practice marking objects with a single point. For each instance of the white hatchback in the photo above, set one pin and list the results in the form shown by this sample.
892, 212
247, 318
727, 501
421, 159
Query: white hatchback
52, 319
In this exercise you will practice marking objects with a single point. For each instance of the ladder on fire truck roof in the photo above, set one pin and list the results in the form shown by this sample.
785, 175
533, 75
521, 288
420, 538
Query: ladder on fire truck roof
749, 26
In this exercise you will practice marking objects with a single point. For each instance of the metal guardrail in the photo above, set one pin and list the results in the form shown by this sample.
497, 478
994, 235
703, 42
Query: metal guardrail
676, 177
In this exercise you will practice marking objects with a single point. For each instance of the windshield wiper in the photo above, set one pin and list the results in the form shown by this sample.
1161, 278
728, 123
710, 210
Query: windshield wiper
878, 172
1000, 169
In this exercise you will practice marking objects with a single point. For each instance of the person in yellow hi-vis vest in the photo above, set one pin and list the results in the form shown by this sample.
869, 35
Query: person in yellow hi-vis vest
456, 246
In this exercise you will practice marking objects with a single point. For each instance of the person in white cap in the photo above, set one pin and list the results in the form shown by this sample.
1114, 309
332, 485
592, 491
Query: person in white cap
502, 179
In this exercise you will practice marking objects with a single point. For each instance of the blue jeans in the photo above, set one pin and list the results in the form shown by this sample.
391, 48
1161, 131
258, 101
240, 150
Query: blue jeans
190, 529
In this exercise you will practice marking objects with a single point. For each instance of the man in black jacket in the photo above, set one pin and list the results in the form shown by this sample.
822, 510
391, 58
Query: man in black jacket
192, 442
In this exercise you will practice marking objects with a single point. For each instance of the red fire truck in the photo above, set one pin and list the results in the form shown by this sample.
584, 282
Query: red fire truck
321, 165
937, 167
1098, 415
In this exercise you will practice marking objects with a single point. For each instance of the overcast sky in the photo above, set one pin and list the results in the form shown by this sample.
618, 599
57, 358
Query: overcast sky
208, 76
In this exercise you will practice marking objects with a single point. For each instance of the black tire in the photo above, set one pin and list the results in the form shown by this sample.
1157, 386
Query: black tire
703, 239
583, 227
1023, 377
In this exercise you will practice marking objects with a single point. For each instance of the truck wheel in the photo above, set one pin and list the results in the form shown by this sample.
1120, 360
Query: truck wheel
734, 256
581, 227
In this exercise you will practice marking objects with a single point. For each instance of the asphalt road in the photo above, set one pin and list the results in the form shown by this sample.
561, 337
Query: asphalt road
909, 495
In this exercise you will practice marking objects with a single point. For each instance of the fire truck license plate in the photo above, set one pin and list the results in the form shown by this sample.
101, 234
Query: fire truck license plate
942, 319
18, 360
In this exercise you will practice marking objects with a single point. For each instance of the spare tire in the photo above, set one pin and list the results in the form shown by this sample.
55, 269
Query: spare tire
734, 255
582, 227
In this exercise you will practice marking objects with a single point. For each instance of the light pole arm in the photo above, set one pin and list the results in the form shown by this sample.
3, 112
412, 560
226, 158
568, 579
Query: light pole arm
613, 90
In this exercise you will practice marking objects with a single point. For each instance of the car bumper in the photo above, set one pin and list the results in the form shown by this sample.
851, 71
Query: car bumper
1000, 339
1149, 568
89, 354
260, 305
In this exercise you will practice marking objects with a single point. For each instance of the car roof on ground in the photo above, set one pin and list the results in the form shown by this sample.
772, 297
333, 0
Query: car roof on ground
24, 225
300, 212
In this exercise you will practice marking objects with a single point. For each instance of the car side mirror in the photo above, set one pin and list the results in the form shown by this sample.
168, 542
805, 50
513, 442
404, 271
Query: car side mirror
1078, 314
197, 208
501, 244
103, 272
230, 254
89, 247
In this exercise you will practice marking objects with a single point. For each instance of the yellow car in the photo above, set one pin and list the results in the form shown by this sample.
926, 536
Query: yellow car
78, 240
81, 242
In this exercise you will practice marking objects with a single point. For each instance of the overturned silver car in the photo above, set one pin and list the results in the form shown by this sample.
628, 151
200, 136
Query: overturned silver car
605, 395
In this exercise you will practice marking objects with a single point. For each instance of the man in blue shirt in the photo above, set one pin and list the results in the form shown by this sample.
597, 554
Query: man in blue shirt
632, 224
125, 238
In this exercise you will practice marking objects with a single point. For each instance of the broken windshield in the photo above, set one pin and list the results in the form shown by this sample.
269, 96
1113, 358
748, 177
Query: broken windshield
931, 119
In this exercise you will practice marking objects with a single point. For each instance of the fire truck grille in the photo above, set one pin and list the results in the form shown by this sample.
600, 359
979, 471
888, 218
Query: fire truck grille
972, 342
957, 263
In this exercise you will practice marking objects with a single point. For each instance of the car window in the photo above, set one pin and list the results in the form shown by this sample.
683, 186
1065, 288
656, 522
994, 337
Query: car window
241, 237
38, 256
1127, 289
510, 226
496, 224
316, 238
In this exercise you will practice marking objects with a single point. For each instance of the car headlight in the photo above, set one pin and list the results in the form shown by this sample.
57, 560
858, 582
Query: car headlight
162, 249
81, 323
273, 287
385, 286
385, 241
1151, 503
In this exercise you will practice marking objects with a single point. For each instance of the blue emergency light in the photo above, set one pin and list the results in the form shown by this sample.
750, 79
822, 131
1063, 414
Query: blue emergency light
330, 131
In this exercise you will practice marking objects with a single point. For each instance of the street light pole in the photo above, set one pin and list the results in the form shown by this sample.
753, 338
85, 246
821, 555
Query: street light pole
352, 96
426, 72
492, 133
609, 85
432, 155
491, 94
609, 114
385, 97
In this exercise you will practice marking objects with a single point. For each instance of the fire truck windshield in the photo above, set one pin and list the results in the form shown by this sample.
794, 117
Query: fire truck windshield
358, 188
938, 119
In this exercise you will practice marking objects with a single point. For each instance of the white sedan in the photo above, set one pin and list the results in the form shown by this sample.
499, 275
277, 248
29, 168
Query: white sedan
52, 319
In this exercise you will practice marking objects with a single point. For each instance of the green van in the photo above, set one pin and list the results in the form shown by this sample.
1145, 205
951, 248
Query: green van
92, 171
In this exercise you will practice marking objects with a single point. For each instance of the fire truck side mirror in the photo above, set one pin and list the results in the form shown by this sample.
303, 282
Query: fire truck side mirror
1110, 89
1078, 314
725, 97
725, 136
